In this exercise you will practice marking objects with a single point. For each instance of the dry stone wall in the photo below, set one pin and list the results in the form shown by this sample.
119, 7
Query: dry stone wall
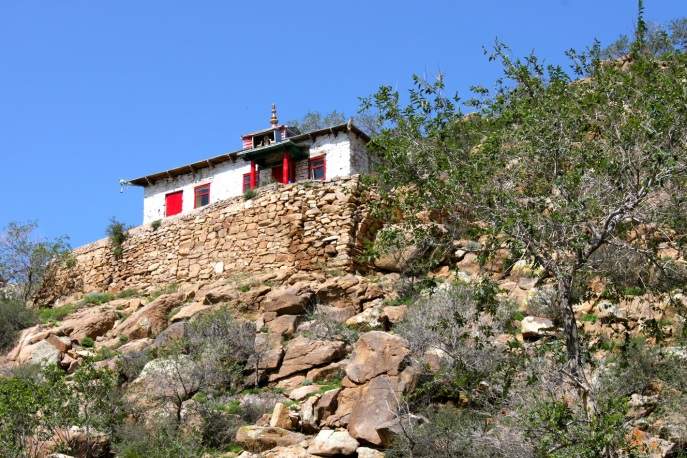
305, 226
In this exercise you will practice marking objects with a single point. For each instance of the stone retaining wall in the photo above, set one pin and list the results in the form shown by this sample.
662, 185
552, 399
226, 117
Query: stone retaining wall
307, 226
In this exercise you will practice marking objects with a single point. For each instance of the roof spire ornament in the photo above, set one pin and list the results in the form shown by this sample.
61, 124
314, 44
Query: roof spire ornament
273, 120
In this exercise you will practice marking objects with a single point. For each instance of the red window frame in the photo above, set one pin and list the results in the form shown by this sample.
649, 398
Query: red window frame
317, 163
199, 192
246, 182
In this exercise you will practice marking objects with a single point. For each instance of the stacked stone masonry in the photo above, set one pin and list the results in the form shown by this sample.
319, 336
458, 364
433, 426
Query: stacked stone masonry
307, 226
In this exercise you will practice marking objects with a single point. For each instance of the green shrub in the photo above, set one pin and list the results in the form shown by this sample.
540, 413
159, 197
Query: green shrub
167, 289
159, 440
97, 298
54, 314
87, 342
249, 194
14, 316
155, 225
127, 293
117, 232
559, 430
449, 431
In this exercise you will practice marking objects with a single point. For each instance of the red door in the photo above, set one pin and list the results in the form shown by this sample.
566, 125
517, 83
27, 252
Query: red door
277, 173
173, 203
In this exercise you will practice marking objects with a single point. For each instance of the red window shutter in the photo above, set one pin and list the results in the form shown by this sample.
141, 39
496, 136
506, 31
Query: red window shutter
246, 182
173, 203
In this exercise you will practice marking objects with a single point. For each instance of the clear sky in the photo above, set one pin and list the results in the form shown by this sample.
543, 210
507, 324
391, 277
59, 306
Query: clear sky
94, 91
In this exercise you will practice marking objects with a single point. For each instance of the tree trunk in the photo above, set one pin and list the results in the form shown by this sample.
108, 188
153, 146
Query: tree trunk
572, 340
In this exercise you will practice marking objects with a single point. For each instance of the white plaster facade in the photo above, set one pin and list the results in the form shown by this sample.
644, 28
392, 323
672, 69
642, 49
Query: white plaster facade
344, 151
226, 180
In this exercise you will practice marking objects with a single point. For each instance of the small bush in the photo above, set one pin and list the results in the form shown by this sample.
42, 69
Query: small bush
87, 342
128, 293
249, 194
168, 289
54, 314
117, 232
326, 328
545, 304
449, 431
220, 347
160, 440
97, 298
131, 364
14, 316
155, 225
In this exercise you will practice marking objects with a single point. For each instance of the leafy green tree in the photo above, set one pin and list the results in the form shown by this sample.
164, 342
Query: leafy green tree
660, 40
555, 164
314, 120
34, 410
24, 259
14, 316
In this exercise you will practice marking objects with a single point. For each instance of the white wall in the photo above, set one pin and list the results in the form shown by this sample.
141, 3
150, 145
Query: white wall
226, 180
345, 155
360, 160
338, 153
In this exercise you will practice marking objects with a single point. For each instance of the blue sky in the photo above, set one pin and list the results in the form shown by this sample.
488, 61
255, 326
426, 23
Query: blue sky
95, 91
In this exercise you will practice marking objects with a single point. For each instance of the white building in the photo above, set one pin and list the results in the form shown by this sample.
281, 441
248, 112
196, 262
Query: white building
277, 154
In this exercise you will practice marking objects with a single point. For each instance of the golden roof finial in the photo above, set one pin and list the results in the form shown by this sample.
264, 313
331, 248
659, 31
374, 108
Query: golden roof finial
273, 120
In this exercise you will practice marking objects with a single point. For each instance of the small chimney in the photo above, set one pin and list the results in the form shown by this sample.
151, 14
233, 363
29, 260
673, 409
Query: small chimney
273, 120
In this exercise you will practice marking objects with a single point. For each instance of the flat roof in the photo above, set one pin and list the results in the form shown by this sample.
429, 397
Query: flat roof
233, 156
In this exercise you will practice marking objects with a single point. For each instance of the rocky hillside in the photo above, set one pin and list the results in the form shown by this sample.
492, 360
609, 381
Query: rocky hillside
296, 364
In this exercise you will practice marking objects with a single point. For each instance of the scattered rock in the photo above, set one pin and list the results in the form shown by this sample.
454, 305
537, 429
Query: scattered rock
366, 452
262, 438
376, 353
89, 322
326, 404
61, 343
303, 353
303, 392
188, 311
367, 319
374, 414
42, 353
280, 417
394, 314
284, 325
333, 443
533, 327
151, 319
286, 301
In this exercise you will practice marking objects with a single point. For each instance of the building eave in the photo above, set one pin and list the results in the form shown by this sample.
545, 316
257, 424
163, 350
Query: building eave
295, 141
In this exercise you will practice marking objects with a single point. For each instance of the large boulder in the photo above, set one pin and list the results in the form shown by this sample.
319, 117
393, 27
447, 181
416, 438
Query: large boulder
287, 301
89, 322
533, 327
366, 452
162, 383
303, 354
376, 408
293, 451
42, 353
376, 353
150, 320
188, 311
329, 442
262, 438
